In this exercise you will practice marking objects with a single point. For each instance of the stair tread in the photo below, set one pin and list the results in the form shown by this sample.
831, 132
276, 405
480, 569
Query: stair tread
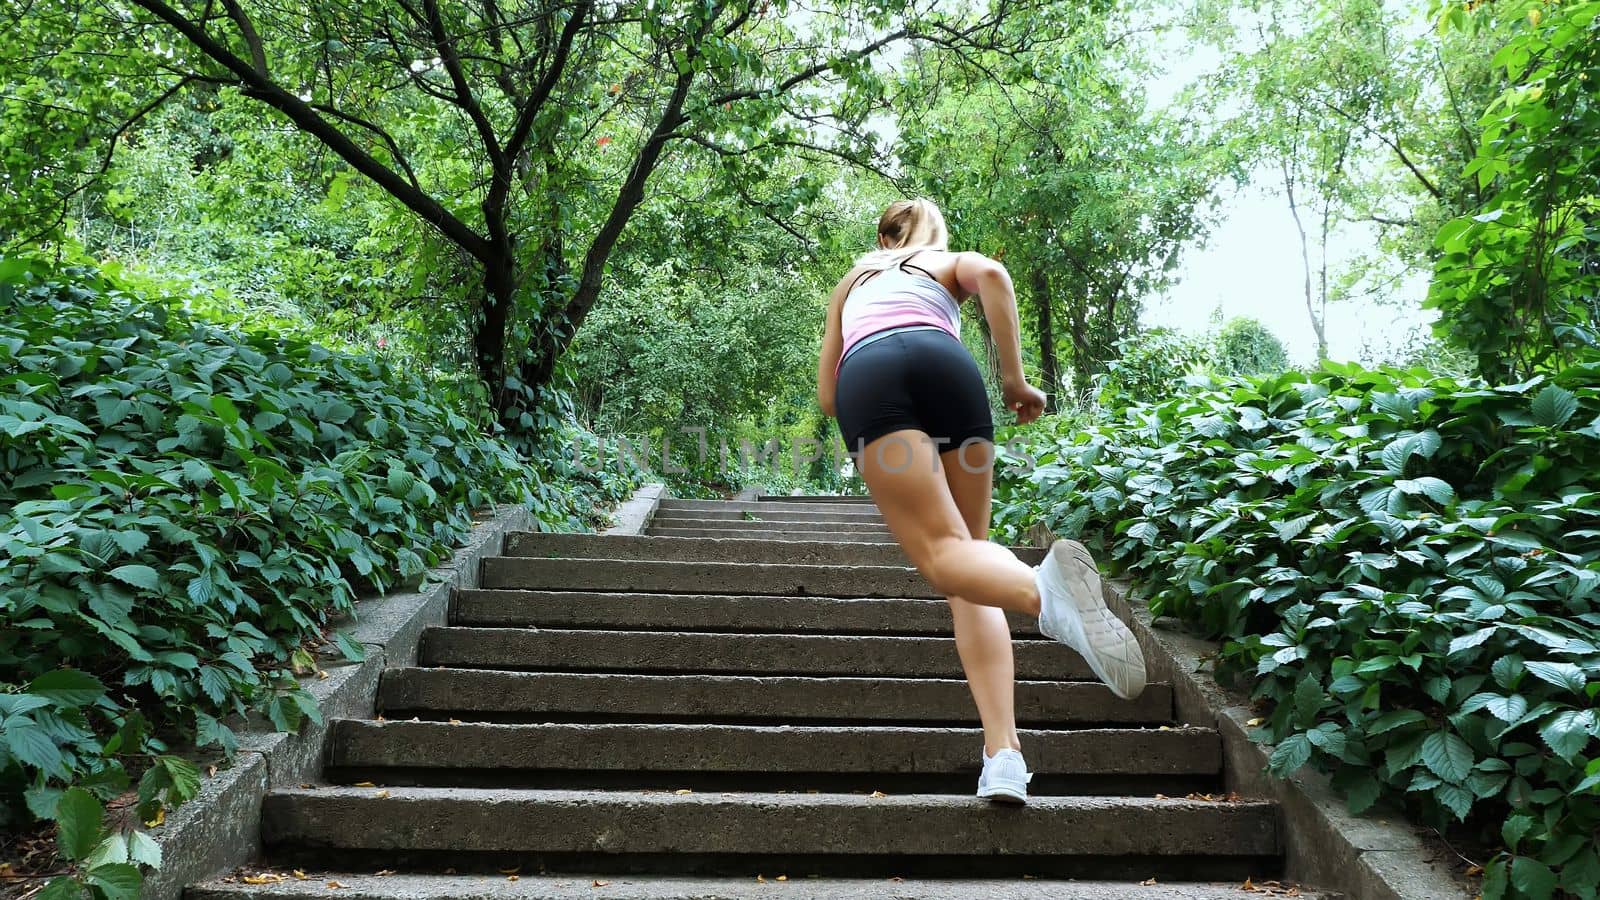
738, 653
666, 821
665, 747
630, 887
816, 549
728, 612
786, 697
673, 576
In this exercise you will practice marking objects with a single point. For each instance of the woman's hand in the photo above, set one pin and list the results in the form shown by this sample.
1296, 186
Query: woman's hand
1023, 399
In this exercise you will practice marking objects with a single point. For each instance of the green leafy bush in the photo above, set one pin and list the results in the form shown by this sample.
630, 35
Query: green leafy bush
1518, 284
1150, 365
1407, 567
1244, 346
184, 509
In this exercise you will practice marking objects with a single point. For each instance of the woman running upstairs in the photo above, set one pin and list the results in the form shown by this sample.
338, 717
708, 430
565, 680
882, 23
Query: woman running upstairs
912, 408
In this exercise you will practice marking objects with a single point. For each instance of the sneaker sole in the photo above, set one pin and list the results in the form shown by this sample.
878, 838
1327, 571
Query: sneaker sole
1113, 652
1003, 796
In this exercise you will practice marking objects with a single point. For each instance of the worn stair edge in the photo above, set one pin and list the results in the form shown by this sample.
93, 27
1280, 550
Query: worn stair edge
406, 692
1377, 856
854, 537
813, 498
665, 576
736, 508
690, 612
557, 821
633, 516
219, 829
755, 887
360, 744
872, 656
810, 519
816, 551
677, 521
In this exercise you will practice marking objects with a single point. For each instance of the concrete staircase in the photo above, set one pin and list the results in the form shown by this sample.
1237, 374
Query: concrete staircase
757, 698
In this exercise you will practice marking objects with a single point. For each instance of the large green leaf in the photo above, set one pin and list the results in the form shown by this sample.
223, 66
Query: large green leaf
140, 576
78, 823
68, 687
1447, 755
118, 882
1554, 406
1567, 732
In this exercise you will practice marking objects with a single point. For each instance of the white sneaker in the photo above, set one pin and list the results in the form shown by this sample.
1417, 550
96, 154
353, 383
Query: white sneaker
1072, 609
1005, 777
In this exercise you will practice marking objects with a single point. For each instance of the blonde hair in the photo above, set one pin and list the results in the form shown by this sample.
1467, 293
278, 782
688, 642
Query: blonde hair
907, 227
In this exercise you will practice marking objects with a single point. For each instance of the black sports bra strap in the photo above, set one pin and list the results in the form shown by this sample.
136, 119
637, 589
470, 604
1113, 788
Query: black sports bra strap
906, 265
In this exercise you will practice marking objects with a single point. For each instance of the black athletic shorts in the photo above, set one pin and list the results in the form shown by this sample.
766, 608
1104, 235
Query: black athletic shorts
921, 379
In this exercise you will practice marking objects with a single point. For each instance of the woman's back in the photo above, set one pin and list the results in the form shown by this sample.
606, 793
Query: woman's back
903, 294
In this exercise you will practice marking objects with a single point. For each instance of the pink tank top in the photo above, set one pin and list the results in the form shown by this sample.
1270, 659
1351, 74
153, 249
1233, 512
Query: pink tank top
897, 297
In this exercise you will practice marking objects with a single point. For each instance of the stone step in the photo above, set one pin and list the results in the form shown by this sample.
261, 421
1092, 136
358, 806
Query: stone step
705, 612
673, 520
682, 549
862, 537
813, 498
470, 693
530, 573
508, 821
754, 886
749, 749
876, 656
842, 516
732, 509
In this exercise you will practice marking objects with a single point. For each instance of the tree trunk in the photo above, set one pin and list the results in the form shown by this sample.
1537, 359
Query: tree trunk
490, 329
1050, 370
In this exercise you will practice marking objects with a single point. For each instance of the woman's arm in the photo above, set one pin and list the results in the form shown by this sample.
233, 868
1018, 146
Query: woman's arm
980, 275
832, 346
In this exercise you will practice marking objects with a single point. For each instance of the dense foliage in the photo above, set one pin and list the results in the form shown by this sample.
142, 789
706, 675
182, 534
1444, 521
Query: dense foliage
1518, 282
1407, 566
185, 511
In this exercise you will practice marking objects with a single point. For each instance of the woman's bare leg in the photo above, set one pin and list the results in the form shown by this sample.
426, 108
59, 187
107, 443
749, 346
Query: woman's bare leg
983, 637
907, 480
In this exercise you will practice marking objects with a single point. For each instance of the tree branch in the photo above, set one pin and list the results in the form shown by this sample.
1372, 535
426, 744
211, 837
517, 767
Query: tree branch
258, 53
465, 99
386, 137
257, 84
552, 73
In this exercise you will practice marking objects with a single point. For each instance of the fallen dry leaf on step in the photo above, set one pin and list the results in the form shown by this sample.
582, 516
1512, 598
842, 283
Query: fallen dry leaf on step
383, 872
513, 877
322, 675
681, 791
882, 794
267, 878
211, 771
511, 871
300, 876
360, 784
382, 795
783, 878
1148, 882
760, 880
335, 885
455, 721
1254, 722
600, 883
